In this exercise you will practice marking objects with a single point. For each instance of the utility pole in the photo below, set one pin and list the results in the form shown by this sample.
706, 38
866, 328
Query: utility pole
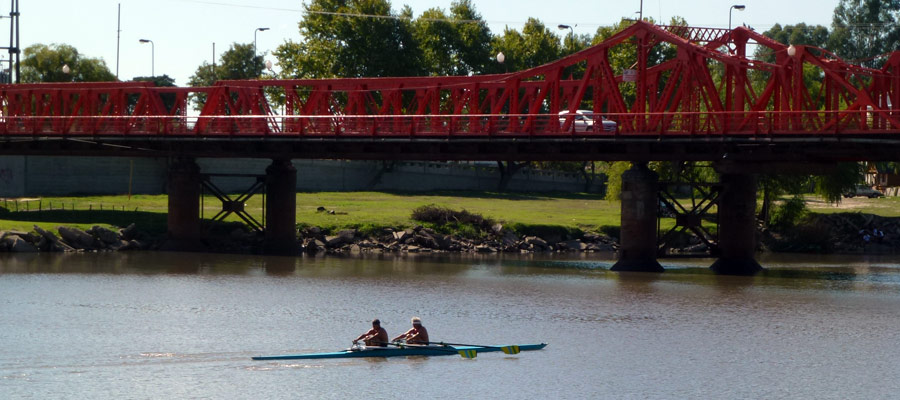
118, 40
13, 41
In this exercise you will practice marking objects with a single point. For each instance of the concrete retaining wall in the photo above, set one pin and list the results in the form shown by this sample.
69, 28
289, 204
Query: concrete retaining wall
23, 176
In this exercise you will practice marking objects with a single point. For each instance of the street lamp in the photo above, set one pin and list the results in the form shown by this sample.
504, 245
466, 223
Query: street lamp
254, 38
739, 7
152, 56
564, 26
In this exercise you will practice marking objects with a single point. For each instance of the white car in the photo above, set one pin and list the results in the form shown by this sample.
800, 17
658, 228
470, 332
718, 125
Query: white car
584, 121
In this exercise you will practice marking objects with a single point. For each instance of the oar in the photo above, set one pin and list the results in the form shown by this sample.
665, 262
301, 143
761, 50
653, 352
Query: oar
463, 353
506, 349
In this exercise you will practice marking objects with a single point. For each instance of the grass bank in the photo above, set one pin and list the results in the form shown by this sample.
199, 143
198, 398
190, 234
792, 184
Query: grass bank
351, 210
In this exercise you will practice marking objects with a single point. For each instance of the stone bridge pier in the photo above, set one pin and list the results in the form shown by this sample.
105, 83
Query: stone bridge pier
281, 208
637, 237
736, 213
183, 219
737, 225
185, 231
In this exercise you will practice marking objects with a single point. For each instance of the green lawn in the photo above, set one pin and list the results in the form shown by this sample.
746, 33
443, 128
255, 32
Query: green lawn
352, 209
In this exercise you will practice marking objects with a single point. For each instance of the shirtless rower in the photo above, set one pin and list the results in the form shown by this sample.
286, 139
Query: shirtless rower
417, 335
376, 336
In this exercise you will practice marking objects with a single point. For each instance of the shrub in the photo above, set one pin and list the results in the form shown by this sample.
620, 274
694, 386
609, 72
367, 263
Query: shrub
788, 214
442, 216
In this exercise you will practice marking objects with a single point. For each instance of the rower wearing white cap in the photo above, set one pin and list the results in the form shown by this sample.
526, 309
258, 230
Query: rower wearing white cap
417, 335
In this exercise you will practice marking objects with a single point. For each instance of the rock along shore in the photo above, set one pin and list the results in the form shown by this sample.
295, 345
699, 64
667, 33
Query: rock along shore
846, 233
312, 240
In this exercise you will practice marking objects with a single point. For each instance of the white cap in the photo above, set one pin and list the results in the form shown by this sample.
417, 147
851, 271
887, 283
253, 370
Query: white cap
417, 321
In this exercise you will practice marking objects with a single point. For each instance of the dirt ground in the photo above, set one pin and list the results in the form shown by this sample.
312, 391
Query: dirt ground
884, 206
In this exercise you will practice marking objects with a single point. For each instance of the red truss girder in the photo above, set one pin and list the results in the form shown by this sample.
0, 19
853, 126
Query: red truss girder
709, 87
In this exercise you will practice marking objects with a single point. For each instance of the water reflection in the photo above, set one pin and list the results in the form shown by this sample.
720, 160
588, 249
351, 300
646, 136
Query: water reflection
783, 270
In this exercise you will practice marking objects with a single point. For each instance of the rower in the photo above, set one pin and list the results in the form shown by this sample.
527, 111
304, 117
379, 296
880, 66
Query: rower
417, 335
376, 336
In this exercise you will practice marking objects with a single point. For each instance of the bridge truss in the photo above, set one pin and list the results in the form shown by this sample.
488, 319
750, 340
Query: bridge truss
689, 83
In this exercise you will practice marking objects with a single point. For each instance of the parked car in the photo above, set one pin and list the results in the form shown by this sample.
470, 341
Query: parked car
584, 121
863, 190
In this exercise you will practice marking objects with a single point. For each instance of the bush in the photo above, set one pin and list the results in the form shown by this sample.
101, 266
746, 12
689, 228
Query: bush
788, 214
611, 231
548, 232
443, 216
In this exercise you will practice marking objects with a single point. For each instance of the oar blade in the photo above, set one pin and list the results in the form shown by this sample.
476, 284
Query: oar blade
468, 353
510, 349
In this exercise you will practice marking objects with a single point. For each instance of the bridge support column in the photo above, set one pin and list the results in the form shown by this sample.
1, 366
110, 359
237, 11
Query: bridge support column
281, 208
737, 226
637, 239
183, 219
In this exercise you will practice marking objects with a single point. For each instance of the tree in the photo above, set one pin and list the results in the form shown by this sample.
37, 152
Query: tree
456, 45
168, 99
535, 45
801, 33
863, 29
240, 61
348, 39
44, 63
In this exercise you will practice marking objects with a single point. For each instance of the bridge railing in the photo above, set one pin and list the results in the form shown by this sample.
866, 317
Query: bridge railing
748, 123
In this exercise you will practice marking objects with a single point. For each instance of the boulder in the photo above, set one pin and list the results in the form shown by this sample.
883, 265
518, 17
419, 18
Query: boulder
334, 241
536, 241
78, 238
106, 236
343, 237
50, 242
574, 245
16, 244
347, 234
509, 239
402, 235
497, 229
483, 248
128, 233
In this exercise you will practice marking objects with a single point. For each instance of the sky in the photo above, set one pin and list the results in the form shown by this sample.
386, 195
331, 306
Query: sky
184, 32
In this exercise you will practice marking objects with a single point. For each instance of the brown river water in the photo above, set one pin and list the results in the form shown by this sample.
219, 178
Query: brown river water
184, 326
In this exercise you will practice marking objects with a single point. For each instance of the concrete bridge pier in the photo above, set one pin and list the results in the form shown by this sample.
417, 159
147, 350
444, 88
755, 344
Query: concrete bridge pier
281, 208
183, 218
637, 238
737, 225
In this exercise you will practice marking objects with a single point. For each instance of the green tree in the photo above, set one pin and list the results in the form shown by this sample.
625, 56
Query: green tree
344, 38
863, 29
168, 99
240, 61
535, 45
44, 63
459, 44
801, 33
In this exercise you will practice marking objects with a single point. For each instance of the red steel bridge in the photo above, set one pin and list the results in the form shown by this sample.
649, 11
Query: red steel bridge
706, 100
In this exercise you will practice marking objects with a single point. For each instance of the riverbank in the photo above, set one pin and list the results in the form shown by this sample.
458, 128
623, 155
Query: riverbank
347, 223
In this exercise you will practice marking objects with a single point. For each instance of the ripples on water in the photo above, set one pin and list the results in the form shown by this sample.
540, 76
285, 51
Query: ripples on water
155, 325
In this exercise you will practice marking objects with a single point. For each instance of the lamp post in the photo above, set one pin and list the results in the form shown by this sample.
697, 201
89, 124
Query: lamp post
254, 38
569, 27
501, 58
739, 7
152, 56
